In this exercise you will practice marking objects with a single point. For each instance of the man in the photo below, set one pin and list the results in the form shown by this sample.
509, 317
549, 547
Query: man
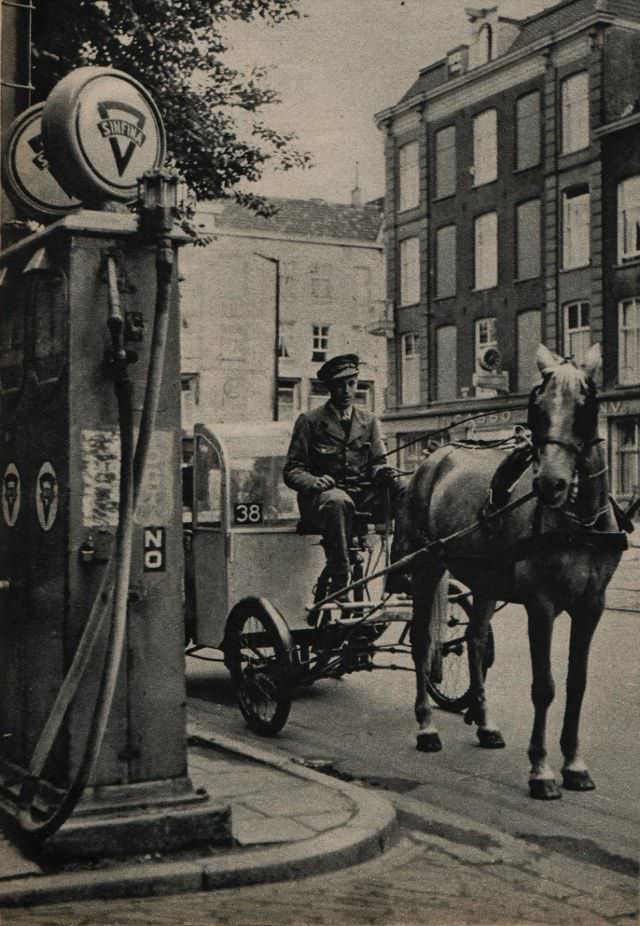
338, 443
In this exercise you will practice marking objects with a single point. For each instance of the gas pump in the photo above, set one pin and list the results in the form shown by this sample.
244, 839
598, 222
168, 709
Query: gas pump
92, 692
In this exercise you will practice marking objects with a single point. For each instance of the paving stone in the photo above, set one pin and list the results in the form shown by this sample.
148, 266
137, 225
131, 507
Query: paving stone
273, 829
302, 799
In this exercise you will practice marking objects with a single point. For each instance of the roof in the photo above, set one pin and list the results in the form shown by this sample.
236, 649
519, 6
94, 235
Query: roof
550, 21
308, 218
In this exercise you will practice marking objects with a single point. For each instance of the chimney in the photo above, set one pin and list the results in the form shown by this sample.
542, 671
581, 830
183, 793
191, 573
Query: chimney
356, 192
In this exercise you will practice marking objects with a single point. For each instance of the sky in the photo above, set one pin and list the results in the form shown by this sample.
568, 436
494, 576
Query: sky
344, 61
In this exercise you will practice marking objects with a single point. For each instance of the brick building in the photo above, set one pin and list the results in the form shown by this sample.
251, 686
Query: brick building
512, 216
318, 268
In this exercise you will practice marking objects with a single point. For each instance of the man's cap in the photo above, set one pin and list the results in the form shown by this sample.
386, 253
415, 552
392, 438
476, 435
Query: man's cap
337, 367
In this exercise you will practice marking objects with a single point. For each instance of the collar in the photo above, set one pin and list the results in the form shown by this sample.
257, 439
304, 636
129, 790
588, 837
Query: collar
340, 415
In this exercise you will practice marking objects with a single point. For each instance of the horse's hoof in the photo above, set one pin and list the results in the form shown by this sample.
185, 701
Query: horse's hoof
544, 789
491, 739
577, 780
428, 742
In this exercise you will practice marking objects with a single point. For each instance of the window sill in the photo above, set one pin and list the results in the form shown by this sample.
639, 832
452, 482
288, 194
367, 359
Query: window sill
577, 267
523, 170
478, 186
628, 262
444, 298
443, 197
538, 276
484, 289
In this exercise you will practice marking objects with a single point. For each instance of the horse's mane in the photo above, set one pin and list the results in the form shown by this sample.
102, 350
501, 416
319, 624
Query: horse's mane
569, 379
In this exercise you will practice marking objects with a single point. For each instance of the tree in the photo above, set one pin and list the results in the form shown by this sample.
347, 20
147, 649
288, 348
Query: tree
176, 49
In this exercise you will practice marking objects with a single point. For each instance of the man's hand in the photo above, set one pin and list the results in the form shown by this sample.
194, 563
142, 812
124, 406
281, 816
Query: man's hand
323, 482
385, 474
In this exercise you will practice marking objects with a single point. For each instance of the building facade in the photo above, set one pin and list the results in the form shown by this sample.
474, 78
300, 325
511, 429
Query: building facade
502, 220
270, 299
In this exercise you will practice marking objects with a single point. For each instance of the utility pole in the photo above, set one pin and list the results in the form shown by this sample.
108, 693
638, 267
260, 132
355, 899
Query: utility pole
276, 346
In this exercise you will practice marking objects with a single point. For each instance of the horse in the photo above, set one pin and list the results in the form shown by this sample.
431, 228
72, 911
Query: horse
553, 548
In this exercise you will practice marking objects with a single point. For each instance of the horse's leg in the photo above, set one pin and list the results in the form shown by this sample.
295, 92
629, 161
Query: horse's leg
488, 733
584, 620
425, 584
542, 780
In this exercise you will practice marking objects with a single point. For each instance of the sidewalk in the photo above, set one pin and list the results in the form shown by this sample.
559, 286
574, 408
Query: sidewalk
287, 822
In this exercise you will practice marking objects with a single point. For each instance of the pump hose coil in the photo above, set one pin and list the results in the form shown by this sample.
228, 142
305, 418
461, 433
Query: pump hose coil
113, 590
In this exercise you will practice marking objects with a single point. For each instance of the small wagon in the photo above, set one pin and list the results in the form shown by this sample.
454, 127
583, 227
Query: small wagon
251, 587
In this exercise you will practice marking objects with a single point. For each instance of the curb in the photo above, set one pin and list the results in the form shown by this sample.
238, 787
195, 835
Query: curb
372, 829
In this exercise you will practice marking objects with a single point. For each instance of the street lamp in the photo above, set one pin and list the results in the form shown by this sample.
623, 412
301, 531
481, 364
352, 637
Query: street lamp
276, 347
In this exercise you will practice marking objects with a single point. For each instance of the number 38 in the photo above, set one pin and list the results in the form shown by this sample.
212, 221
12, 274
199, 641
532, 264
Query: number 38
246, 513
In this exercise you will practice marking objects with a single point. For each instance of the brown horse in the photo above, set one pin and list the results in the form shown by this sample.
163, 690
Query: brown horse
555, 552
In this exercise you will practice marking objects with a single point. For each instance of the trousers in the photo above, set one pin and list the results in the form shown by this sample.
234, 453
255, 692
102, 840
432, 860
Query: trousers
332, 510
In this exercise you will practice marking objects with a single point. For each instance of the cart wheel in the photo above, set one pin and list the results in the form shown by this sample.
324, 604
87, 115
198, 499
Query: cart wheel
258, 653
448, 680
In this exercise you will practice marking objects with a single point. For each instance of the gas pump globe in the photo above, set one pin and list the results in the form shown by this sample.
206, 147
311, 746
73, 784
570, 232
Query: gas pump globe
92, 688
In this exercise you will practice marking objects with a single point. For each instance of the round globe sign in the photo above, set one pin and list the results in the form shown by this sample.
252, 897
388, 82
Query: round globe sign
101, 131
26, 174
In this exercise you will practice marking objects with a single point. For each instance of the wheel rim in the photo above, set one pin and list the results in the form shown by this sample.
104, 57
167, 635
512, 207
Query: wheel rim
257, 664
454, 682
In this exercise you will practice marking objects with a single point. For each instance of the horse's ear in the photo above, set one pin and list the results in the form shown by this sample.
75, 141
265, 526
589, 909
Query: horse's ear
593, 361
545, 358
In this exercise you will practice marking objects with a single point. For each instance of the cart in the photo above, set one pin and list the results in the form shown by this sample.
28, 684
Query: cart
242, 534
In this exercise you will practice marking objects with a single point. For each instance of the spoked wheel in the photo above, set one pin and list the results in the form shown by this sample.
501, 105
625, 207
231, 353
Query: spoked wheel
258, 653
448, 679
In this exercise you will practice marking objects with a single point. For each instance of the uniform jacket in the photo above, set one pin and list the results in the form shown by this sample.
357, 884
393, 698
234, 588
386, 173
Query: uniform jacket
319, 447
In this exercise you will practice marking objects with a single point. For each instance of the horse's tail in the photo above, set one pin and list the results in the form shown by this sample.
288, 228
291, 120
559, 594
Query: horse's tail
422, 486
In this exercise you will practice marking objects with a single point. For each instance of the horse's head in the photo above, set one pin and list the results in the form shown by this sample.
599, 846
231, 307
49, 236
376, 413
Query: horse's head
563, 418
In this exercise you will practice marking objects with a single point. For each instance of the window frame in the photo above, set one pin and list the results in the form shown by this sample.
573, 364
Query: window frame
445, 154
620, 451
285, 382
568, 331
571, 230
576, 112
625, 255
519, 121
408, 177
525, 234
439, 380
410, 364
410, 271
531, 375
320, 332
478, 241
624, 378
454, 261
485, 148
479, 343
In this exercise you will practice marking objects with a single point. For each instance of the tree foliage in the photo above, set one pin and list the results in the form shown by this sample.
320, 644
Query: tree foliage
176, 48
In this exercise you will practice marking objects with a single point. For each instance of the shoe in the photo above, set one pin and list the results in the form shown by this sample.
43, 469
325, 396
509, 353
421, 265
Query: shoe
398, 583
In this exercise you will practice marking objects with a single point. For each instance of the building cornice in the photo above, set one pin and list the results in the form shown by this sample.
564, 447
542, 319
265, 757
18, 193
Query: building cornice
504, 61
625, 122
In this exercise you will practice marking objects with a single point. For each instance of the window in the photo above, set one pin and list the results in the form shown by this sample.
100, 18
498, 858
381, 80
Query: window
409, 271
364, 395
486, 250
576, 228
410, 369
321, 282
485, 337
288, 399
446, 363
629, 341
317, 394
528, 134
529, 335
320, 344
485, 147
629, 219
577, 330
446, 161
626, 448
575, 112
409, 178
528, 240
446, 261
